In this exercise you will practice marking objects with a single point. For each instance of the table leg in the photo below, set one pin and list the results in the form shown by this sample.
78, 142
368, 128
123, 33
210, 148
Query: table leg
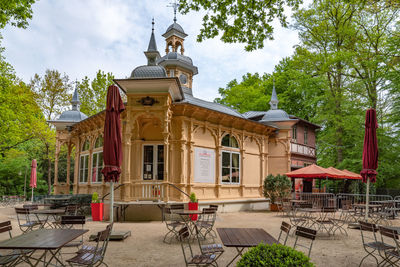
239, 250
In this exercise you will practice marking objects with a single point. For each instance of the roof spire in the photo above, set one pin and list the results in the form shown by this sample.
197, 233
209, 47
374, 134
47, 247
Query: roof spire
274, 98
175, 6
152, 53
75, 98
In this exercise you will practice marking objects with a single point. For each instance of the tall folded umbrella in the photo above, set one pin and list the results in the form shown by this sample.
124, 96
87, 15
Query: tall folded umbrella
33, 176
112, 148
370, 153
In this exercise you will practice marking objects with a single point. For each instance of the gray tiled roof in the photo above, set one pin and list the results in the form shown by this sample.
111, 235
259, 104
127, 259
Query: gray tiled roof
149, 72
71, 116
210, 105
252, 114
175, 26
177, 56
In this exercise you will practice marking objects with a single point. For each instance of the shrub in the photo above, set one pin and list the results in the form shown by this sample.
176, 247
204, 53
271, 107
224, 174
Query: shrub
275, 255
95, 198
276, 187
193, 197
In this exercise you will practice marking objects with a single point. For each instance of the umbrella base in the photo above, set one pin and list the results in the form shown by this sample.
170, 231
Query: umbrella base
115, 236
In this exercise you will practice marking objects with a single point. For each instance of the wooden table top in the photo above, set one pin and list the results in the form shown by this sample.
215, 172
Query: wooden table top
187, 212
58, 198
42, 239
245, 237
48, 211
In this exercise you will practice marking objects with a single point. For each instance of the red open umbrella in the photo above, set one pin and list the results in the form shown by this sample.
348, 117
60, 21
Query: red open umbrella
112, 148
33, 176
370, 152
312, 171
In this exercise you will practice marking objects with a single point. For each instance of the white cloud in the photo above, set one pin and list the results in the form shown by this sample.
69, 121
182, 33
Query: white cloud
80, 37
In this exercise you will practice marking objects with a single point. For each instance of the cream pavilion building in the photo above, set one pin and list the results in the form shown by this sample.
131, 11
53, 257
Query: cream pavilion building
175, 143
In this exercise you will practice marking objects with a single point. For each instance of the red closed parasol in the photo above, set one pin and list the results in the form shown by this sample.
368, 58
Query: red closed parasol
370, 153
33, 176
112, 148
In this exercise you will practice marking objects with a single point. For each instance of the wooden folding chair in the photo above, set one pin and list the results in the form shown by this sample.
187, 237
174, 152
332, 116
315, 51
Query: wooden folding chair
389, 237
25, 223
16, 256
306, 233
205, 223
69, 222
93, 255
194, 259
174, 223
370, 244
285, 230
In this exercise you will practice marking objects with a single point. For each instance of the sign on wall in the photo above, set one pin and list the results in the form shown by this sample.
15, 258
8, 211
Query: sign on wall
204, 165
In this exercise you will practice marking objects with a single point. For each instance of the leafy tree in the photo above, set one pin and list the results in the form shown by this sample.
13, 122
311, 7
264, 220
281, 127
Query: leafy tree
248, 22
93, 93
52, 95
15, 12
52, 92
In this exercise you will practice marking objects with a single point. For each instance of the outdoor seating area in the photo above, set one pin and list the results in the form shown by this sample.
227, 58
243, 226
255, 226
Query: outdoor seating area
234, 234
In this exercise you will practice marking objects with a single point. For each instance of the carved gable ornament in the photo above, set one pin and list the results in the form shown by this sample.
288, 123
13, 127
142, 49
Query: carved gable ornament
147, 101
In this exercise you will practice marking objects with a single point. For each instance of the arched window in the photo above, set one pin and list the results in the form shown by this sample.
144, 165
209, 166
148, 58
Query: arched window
230, 157
86, 145
84, 163
97, 161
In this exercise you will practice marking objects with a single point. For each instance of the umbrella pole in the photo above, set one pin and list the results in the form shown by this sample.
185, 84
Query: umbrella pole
367, 201
111, 202
32, 196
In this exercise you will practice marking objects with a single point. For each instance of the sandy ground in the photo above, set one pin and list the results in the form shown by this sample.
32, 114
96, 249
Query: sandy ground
146, 248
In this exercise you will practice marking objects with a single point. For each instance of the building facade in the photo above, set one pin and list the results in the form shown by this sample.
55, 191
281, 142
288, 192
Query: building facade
174, 143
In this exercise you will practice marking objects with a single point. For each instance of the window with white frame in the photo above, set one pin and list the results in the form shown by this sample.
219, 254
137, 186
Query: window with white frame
294, 132
84, 163
97, 162
230, 160
153, 162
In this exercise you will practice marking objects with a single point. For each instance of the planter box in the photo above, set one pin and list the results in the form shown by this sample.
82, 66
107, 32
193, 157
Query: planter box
274, 207
193, 206
97, 211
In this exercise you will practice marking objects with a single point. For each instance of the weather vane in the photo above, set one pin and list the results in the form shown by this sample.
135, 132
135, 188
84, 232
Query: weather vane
175, 6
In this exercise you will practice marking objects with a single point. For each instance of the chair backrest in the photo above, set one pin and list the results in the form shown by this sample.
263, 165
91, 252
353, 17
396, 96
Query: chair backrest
30, 206
366, 226
208, 215
22, 210
102, 239
177, 206
285, 228
213, 206
73, 219
305, 233
6, 227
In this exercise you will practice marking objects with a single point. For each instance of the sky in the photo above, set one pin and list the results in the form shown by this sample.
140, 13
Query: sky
80, 37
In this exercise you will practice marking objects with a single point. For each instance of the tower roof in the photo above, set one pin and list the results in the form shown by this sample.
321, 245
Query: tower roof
152, 44
274, 98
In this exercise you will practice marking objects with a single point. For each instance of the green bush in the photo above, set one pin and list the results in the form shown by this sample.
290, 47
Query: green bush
274, 255
276, 187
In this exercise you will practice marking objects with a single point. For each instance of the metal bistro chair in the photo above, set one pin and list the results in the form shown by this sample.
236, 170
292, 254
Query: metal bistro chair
214, 248
68, 222
173, 223
392, 256
25, 223
305, 233
285, 230
205, 223
189, 257
93, 255
370, 243
14, 257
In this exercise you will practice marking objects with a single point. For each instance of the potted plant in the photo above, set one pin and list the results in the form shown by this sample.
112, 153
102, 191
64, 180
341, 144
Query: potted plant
97, 208
276, 188
193, 205
274, 255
